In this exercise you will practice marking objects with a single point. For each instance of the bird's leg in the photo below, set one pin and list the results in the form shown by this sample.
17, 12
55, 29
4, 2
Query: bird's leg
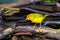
40, 26
34, 26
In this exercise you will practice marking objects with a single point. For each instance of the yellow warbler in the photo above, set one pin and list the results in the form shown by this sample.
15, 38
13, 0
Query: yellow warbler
36, 17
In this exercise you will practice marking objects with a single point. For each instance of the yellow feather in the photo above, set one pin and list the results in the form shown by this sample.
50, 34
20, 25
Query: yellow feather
36, 17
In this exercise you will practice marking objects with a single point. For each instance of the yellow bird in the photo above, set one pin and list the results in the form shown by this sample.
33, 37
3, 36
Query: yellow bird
36, 18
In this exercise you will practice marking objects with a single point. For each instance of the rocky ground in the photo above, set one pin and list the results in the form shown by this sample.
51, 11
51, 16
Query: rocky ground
20, 2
